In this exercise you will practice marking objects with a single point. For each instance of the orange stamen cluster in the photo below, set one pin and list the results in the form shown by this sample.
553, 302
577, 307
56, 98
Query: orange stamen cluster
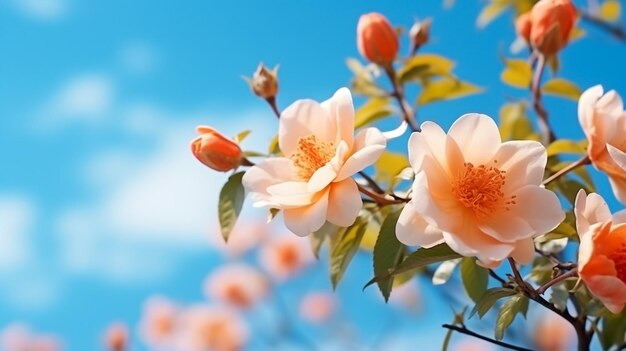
311, 154
480, 189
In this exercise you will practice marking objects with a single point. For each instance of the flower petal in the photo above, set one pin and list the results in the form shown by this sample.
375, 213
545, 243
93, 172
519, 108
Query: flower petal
507, 229
303, 221
291, 194
610, 290
477, 136
539, 207
340, 107
524, 251
344, 203
369, 145
586, 105
304, 118
590, 209
265, 174
473, 242
524, 162
321, 178
431, 142
413, 230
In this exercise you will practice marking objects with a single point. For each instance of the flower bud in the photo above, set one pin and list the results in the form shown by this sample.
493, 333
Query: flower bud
376, 39
216, 151
551, 23
523, 26
116, 337
420, 33
264, 82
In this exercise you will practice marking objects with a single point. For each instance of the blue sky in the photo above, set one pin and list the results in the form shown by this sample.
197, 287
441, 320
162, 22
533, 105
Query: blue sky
101, 203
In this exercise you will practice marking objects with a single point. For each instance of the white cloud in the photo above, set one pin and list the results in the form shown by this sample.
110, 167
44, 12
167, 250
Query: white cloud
138, 58
16, 219
42, 9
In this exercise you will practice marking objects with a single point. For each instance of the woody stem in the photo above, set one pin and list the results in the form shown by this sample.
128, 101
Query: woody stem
408, 114
272, 102
542, 115
617, 31
380, 199
557, 279
581, 162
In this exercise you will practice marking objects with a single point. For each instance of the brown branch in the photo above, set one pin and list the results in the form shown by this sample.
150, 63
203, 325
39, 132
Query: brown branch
615, 30
557, 279
408, 114
380, 199
464, 330
272, 102
542, 115
581, 162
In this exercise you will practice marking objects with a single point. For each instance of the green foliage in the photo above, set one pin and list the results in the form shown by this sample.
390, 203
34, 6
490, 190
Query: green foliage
474, 277
363, 82
343, 248
514, 122
562, 88
388, 252
375, 109
274, 149
559, 296
565, 146
489, 299
328, 230
230, 202
518, 304
446, 89
613, 330
424, 66
241, 136
517, 73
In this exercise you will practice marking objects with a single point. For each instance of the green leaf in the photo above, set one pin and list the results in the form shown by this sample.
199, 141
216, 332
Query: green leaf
488, 299
446, 89
474, 277
363, 83
513, 306
446, 340
514, 122
610, 10
388, 251
424, 65
490, 12
613, 330
373, 110
562, 88
559, 296
564, 146
344, 248
253, 154
443, 273
241, 136
418, 259
517, 73
273, 148
230, 202
318, 237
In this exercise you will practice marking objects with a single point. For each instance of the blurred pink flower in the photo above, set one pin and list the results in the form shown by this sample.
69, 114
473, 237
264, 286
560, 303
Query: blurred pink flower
116, 337
285, 256
205, 327
553, 333
473, 345
246, 236
17, 337
313, 183
158, 322
406, 296
239, 285
317, 307
481, 196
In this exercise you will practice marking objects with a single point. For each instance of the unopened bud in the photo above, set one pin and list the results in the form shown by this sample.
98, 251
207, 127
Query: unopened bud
377, 41
216, 151
523, 26
420, 33
116, 337
551, 24
264, 82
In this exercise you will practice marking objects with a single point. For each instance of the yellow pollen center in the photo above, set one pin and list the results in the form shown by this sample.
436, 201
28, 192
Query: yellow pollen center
311, 154
480, 189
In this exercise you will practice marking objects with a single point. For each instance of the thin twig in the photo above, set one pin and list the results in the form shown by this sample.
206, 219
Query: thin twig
615, 30
398, 92
272, 102
544, 124
372, 183
380, 199
464, 330
495, 276
581, 162
557, 279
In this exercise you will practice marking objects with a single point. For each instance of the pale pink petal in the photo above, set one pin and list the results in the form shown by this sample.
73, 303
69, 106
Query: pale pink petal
321, 178
473, 242
301, 119
586, 248
590, 209
524, 251
290, 194
341, 108
586, 104
619, 217
413, 230
611, 103
369, 145
344, 203
539, 207
265, 174
507, 229
444, 213
477, 136
610, 290
431, 142
303, 221
523, 161
618, 185
618, 156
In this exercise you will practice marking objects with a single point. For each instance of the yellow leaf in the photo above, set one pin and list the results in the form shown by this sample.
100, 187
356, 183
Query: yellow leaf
517, 73
370, 236
562, 88
611, 10
423, 66
576, 33
490, 12
514, 123
523, 6
564, 146
446, 89
389, 165
273, 147
373, 110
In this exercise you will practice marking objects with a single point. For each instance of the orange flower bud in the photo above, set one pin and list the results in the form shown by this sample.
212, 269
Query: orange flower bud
264, 82
116, 337
376, 39
551, 24
523, 26
420, 33
215, 150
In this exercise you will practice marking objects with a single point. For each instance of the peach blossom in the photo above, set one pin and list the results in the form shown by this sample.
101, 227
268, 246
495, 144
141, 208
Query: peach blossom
215, 150
17, 337
116, 337
473, 345
246, 236
239, 285
602, 251
317, 307
406, 296
551, 22
312, 183
285, 256
158, 322
553, 333
603, 120
205, 327
523, 26
377, 40
479, 195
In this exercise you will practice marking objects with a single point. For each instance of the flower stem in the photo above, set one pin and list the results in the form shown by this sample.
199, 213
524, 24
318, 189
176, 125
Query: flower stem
381, 199
581, 162
272, 102
464, 330
544, 124
398, 92
616, 31
557, 279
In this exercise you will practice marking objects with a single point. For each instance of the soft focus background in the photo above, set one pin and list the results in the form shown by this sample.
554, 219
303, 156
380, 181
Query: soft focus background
101, 203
